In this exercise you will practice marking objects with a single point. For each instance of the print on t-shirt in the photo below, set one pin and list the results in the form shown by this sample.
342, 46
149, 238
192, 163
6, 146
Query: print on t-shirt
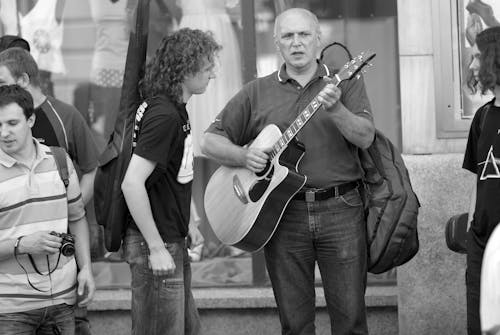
185, 174
490, 169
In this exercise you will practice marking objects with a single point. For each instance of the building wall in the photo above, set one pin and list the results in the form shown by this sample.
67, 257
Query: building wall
431, 286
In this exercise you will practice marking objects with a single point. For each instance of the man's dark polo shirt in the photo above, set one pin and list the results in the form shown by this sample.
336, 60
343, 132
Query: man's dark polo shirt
278, 99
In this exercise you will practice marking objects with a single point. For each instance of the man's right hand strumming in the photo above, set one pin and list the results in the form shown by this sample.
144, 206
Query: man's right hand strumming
255, 159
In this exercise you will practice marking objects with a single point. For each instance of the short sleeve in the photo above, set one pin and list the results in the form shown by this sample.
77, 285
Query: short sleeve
233, 121
470, 157
355, 99
82, 147
158, 135
76, 208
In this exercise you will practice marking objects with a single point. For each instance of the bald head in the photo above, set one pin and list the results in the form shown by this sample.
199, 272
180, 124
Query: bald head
297, 38
292, 14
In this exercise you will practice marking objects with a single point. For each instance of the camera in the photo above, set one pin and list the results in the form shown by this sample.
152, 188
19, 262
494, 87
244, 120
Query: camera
67, 245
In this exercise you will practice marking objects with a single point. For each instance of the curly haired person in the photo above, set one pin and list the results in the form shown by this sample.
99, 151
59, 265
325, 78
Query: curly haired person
481, 158
157, 186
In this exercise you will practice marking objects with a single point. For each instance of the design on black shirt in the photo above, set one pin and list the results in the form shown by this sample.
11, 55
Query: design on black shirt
185, 174
490, 169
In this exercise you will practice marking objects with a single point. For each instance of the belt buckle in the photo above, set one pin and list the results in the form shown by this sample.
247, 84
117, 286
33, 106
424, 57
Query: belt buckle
310, 196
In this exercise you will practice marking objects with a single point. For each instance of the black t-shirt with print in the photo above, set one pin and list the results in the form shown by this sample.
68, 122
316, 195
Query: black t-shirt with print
165, 139
43, 131
482, 158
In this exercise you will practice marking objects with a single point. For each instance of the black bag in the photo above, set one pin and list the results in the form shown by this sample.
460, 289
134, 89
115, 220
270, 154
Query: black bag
109, 203
392, 207
391, 204
456, 233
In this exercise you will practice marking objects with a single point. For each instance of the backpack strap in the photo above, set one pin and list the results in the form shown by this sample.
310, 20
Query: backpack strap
61, 163
56, 121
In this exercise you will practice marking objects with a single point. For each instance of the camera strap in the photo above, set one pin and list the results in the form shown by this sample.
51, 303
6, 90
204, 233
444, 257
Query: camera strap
32, 261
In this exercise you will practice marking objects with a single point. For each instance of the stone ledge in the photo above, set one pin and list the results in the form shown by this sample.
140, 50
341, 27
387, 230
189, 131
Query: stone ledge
238, 298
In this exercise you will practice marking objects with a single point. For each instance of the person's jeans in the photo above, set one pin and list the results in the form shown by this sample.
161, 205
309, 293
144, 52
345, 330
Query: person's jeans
472, 283
160, 304
42, 321
82, 324
332, 233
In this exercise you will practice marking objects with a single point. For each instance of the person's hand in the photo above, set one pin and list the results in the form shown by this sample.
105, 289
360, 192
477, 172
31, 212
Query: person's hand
473, 27
160, 261
86, 286
195, 235
484, 10
256, 159
41, 242
329, 95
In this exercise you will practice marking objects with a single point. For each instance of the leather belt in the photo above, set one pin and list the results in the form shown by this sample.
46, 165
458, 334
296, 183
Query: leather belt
323, 194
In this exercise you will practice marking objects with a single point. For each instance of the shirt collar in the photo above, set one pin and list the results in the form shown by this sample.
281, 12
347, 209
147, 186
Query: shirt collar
321, 71
40, 151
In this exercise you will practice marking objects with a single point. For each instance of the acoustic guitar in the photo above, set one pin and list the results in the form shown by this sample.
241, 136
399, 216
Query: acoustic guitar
244, 208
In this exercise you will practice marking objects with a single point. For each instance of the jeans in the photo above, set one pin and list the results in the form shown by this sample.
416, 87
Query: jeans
42, 321
333, 234
82, 324
160, 304
472, 283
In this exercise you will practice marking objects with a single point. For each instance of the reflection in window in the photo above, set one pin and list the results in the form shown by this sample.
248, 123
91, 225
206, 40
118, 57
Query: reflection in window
94, 50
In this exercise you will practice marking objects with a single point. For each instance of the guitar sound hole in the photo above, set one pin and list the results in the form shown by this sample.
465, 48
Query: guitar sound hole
260, 187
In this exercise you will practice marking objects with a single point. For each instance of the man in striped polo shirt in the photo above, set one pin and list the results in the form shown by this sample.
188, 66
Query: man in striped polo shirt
38, 284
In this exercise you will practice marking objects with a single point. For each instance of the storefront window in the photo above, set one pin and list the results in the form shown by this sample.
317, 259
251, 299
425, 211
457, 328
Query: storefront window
458, 23
87, 64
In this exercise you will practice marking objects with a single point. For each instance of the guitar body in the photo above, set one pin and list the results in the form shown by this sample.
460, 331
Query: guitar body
243, 208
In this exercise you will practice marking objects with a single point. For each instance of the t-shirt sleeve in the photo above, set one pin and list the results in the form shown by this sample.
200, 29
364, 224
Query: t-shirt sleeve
355, 99
76, 208
82, 146
470, 157
233, 122
157, 135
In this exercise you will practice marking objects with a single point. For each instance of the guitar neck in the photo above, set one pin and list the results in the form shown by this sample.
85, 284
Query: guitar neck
298, 124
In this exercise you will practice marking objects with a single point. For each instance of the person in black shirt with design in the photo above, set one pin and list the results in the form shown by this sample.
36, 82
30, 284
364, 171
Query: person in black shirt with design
157, 186
481, 158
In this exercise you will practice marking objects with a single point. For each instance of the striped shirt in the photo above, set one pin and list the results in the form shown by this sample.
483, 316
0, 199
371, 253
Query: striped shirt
35, 199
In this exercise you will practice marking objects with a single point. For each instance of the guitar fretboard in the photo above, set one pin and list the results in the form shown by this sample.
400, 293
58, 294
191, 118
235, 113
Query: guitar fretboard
297, 125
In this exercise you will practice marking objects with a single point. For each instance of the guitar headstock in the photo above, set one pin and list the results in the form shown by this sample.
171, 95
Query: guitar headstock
356, 65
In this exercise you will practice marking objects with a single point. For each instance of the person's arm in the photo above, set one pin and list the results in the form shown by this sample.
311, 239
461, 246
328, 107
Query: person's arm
223, 151
136, 196
78, 227
59, 10
194, 222
41, 242
356, 129
87, 185
86, 285
472, 203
